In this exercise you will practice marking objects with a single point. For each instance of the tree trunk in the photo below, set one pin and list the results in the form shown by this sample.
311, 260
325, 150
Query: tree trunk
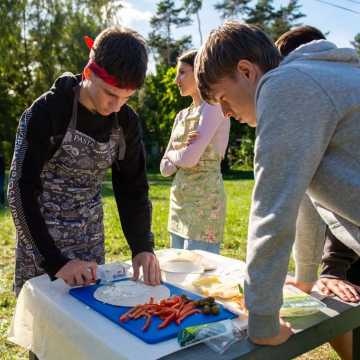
199, 27
168, 44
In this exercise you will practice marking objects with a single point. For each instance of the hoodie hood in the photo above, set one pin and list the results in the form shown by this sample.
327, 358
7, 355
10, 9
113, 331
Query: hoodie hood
323, 50
65, 84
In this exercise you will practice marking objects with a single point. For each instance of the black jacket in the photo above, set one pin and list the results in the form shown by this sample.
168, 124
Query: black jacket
339, 261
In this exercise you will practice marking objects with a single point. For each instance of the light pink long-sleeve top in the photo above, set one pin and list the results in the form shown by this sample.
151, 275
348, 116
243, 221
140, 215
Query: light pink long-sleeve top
213, 127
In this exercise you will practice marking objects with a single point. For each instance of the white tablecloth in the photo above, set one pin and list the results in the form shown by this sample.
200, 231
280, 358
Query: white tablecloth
56, 326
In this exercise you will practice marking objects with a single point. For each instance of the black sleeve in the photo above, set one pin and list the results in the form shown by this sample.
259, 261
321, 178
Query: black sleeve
337, 258
31, 151
131, 188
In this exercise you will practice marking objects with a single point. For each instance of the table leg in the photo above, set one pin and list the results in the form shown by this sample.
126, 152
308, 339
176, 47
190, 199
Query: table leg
356, 343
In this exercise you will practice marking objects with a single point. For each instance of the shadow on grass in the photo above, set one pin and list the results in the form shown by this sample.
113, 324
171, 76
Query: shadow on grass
239, 175
232, 175
3, 210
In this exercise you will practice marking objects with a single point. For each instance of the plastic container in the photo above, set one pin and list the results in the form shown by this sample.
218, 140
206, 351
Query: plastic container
298, 303
108, 273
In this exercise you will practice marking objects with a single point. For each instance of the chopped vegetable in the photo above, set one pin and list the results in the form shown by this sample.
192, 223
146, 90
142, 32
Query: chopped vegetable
206, 310
173, 309
214, 310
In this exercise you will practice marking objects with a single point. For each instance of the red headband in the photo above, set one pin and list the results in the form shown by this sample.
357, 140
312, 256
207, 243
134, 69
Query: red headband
97, 69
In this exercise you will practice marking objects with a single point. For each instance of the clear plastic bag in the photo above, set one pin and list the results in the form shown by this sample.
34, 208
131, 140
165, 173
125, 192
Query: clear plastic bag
236, 331
218, 336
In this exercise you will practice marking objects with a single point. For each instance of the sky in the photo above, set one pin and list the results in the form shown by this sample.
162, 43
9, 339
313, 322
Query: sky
341, 25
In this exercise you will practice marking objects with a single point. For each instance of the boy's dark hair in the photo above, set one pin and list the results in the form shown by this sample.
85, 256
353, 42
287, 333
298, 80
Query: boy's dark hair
188, 57
225, 47
122, 53
292, 39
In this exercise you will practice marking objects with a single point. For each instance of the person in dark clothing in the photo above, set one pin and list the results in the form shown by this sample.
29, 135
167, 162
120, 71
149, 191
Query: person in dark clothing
2, 180
66, 141
292, 39
340, 265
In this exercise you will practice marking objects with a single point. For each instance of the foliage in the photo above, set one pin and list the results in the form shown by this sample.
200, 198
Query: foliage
241, 148
40, 39
158, 103
193, 7
13, 79
165, 47
232, 8
274, 22
356, 43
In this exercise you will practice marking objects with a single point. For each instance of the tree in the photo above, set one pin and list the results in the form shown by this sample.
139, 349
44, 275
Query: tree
56, 30
273, 22
356, 43
193, 7
40, 39
232, 8
158, 103
285, 18
13, 76
160, 39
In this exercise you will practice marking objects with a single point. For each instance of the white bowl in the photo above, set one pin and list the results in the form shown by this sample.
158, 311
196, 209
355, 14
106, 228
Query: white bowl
180, 270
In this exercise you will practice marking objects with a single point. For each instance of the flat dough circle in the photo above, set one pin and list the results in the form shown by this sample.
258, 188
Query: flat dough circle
130, 293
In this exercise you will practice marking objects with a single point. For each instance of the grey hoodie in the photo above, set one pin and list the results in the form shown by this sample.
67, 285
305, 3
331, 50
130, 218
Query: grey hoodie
307, 148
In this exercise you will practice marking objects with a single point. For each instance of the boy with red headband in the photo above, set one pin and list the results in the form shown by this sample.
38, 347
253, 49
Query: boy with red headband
66, 141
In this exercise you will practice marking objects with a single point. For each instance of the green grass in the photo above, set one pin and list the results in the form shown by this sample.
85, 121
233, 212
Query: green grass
238, 188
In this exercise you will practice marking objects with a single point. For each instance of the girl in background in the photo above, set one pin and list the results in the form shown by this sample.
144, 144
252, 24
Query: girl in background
196, 147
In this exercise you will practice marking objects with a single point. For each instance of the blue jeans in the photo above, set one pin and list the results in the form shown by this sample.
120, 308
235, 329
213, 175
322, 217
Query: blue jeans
178, 242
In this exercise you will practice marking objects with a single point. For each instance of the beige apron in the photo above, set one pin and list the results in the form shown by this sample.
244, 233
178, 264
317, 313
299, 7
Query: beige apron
197, 196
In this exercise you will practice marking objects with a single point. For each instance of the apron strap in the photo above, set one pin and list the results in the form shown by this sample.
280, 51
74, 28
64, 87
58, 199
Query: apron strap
121, 139
73, 120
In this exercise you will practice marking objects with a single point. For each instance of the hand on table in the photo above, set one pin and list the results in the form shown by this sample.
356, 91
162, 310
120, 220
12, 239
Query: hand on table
78, 272
150, 266
343, 289
304, 286
284, 334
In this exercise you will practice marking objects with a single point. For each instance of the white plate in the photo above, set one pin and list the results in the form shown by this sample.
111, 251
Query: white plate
130, 293
181, 266
184, 254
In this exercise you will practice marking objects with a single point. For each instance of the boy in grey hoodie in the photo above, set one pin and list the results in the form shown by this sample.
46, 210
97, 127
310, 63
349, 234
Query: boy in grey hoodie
340, 265
307, 113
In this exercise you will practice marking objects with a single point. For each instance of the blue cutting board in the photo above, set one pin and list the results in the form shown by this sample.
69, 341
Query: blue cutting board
153, 335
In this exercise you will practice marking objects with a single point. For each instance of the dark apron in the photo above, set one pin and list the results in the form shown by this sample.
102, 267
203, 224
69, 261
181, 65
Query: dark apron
70, 201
